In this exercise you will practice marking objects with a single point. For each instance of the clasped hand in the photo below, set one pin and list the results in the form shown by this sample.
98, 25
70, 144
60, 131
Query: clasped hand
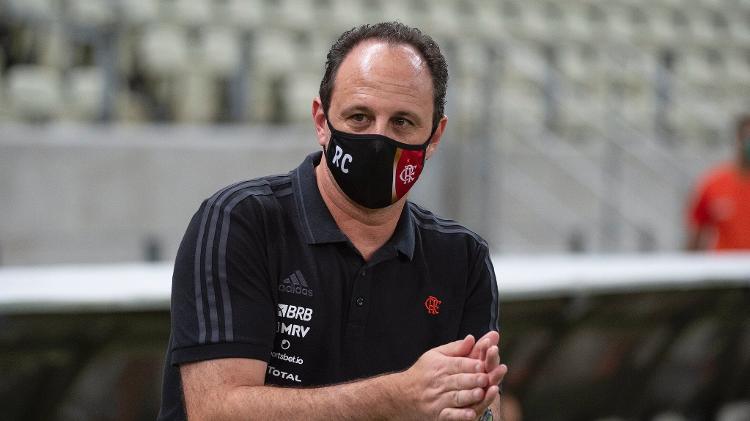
458, 380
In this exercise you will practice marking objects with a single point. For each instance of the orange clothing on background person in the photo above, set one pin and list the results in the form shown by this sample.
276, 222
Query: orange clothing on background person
722, 205
719, 214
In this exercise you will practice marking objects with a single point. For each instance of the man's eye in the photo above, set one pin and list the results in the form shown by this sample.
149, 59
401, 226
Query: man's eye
359, 117
401, 121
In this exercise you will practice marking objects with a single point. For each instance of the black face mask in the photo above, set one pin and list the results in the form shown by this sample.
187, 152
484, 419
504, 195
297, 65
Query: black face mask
374, 170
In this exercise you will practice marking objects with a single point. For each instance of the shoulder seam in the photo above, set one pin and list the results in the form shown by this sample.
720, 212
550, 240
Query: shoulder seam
428, 220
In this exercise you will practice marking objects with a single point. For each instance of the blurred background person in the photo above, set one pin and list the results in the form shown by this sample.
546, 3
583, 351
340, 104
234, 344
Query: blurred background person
719, 212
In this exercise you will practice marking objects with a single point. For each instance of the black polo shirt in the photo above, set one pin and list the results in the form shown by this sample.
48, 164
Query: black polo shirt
264, 272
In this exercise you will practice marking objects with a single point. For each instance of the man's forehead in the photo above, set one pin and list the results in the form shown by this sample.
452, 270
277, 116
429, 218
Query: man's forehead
394, 70
370, 53
378, 57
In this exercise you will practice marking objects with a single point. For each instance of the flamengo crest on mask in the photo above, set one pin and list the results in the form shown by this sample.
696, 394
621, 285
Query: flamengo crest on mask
407, 174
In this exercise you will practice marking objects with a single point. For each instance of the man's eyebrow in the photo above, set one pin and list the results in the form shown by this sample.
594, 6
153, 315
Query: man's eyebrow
356, 108
414, 117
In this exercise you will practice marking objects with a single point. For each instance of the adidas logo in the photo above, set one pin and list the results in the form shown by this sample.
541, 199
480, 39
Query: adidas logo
295, 284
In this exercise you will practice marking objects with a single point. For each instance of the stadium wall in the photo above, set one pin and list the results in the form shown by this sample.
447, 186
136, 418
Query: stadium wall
89, 194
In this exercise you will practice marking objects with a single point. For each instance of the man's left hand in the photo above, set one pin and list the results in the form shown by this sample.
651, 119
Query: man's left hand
487, 350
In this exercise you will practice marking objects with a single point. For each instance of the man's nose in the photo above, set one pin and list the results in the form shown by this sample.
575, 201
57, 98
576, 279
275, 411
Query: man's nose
381, 127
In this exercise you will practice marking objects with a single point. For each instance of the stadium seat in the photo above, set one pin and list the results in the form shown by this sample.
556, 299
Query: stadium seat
719, 20
464, 91
739, 29
343, 14
682, 23
579, 111
700, 66
634, 67
640, 21
521, 107
398, 10
697, 117
90, 12
33, 10
703, 29
526, 20
597, 18
164, 50
637, 109
299, 93
53, 48
443, 19
715, 4
4, 106
523, 62
580, 62
85, 90
738, 69
488, 23
312, 51
620, 25
33, 92
576, 26
243, 14
274, 52
196, 97
220, 51
294, 14
130, 107
473, 59
139, 12
191, 13
661, 27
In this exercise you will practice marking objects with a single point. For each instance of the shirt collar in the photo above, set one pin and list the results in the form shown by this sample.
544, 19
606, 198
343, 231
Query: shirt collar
317, 222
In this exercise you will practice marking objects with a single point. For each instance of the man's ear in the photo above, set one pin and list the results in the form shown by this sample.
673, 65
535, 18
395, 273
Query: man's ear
435, 140
319, 119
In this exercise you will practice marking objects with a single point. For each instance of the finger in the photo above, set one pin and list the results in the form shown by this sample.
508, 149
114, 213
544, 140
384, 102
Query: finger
465, 398
464, 381
475, 351
458, 348
493, 336
492, 358
489, 397
464, 365
490, 338
479, 348
486, 341
457, 414
498, 374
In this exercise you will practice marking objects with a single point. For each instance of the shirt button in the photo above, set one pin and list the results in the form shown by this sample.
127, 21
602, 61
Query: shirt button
360, 301
362, 272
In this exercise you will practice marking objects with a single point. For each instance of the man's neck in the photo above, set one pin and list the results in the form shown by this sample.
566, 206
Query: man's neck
367, 229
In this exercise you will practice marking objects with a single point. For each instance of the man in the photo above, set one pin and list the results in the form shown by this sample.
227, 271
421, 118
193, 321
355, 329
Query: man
719, 212
327, 281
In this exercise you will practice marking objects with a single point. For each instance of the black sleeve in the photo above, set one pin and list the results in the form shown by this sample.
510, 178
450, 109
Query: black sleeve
482, 309
222, 297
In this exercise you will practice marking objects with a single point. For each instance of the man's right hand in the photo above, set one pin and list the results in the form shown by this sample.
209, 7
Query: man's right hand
445, 383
